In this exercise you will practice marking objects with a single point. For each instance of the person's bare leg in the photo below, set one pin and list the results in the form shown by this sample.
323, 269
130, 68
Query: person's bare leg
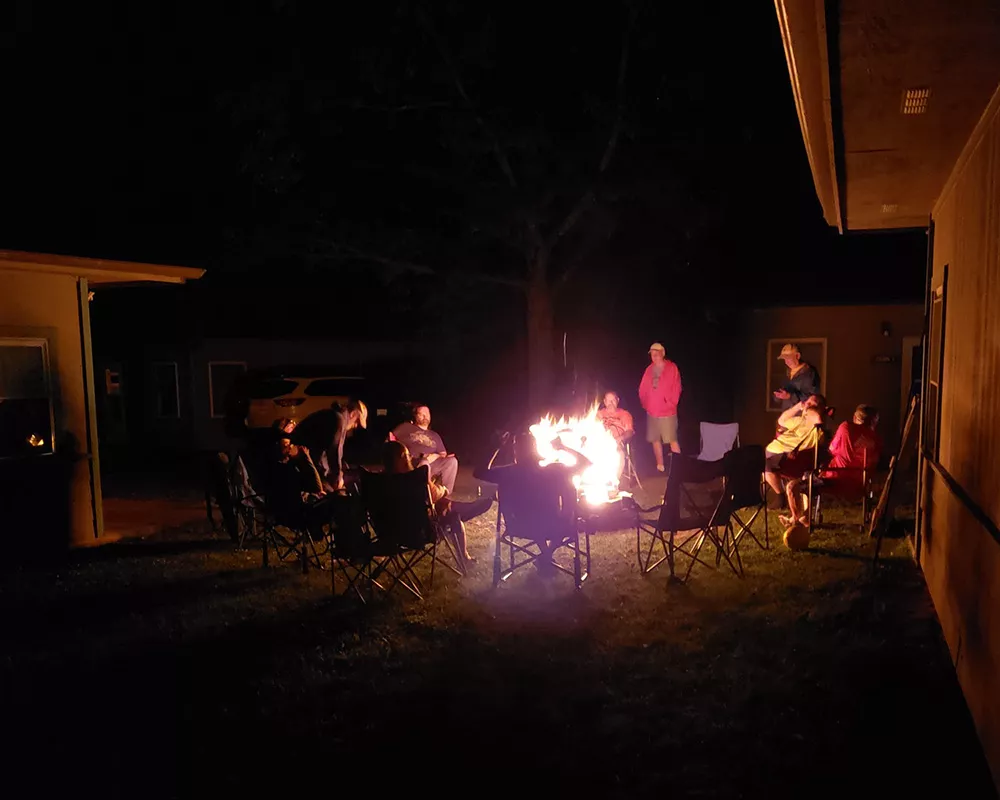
793, 499
675, 447
772, 480
658, 454
463, 540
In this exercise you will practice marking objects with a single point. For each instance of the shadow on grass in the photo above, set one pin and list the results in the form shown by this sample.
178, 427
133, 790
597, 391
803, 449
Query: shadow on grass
718, 688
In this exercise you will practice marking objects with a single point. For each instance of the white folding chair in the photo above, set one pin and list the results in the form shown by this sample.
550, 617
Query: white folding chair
717, 440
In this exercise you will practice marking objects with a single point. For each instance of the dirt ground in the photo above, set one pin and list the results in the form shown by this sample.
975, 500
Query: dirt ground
175, 666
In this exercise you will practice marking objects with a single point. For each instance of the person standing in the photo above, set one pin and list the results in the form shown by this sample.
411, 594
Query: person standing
660, 392
323, 434
802, 381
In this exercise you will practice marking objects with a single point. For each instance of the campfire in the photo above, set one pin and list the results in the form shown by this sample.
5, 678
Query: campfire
587, 435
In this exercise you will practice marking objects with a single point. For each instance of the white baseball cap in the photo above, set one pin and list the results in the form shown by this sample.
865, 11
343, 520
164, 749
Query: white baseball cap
657, 346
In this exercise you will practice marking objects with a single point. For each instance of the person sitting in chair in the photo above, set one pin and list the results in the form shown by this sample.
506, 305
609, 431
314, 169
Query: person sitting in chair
396, 459
856, 447
291, 484
537, 499
619, 424
790, 454
427, 447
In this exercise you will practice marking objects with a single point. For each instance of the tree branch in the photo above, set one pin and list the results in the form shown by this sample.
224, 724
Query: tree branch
501, 158
343, 252
589, 196
402, 108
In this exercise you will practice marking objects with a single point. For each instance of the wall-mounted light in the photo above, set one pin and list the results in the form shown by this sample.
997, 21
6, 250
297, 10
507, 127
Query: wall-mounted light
886, 330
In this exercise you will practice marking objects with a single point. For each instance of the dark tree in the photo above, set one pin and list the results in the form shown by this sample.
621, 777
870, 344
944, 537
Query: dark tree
468, 147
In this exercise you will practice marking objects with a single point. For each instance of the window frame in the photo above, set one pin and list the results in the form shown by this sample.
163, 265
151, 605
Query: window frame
772, 362
43, 345
211, 388
177, 390
936, 338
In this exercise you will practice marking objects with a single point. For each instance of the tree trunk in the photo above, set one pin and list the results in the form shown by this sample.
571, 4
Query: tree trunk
540, 333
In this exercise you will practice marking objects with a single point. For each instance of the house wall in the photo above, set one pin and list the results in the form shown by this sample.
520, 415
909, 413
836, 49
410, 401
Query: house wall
854, 341
197, 429
45, 306
959, 555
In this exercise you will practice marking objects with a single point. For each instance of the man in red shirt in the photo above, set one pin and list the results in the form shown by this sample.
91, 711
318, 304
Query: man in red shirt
659, 393
618, 423
856, 447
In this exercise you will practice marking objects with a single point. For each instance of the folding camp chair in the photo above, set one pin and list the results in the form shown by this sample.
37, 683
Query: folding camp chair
824, 488
218, 493
352, 551
525, 538
257, 520
745, 490
403, 526
629, 473
717, 440
692, 513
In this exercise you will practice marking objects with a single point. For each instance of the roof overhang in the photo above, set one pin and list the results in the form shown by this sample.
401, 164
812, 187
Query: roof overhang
98, 272
852, 64
803, 33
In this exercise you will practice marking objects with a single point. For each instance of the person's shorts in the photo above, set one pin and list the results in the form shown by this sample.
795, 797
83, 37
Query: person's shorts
661, 429
772, 462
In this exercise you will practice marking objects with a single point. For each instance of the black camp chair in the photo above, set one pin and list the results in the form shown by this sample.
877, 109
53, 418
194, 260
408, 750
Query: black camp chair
701, 505
745, 491
403, 527
520, 534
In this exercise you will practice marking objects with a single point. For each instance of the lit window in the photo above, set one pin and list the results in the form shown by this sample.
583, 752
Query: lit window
27, 423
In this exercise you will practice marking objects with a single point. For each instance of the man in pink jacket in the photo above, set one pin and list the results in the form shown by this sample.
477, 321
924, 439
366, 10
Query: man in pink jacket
659, 393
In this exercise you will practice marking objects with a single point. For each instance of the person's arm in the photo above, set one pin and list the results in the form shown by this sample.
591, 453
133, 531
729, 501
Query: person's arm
840, 438
644, 387
789, 414
672, 391
335, 455
629, 425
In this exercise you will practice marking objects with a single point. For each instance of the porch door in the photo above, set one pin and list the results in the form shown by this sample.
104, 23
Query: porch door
912, 364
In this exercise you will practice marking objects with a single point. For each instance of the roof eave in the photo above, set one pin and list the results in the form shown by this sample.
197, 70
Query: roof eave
98, 271
807, 44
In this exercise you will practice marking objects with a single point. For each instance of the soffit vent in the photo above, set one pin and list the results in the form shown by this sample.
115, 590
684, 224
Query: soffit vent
915, 101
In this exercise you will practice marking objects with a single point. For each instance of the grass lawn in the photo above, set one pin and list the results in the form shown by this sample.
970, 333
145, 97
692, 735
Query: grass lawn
177, 667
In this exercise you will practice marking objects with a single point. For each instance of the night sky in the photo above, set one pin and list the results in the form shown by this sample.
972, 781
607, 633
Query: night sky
272, 144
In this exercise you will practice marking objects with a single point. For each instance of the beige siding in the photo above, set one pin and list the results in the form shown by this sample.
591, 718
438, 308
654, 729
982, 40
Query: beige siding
854, 340
45, 306
960, 559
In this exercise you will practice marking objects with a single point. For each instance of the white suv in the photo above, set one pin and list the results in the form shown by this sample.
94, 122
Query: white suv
262, 399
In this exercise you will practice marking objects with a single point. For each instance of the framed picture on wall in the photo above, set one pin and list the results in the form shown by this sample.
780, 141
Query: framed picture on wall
813, 352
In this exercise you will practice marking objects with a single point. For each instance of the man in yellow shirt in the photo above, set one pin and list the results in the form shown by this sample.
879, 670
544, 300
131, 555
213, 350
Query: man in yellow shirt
801, 429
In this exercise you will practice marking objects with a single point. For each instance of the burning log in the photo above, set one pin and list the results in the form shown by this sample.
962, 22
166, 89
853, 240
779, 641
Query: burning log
598, 484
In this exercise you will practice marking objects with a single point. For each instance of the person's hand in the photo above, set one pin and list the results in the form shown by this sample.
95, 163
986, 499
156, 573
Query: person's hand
781, 394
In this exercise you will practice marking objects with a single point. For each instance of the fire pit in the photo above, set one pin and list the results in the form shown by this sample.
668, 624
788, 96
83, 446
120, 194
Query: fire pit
616, 514
598, 484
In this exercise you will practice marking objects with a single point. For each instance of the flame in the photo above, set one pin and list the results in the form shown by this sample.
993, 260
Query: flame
587, 435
